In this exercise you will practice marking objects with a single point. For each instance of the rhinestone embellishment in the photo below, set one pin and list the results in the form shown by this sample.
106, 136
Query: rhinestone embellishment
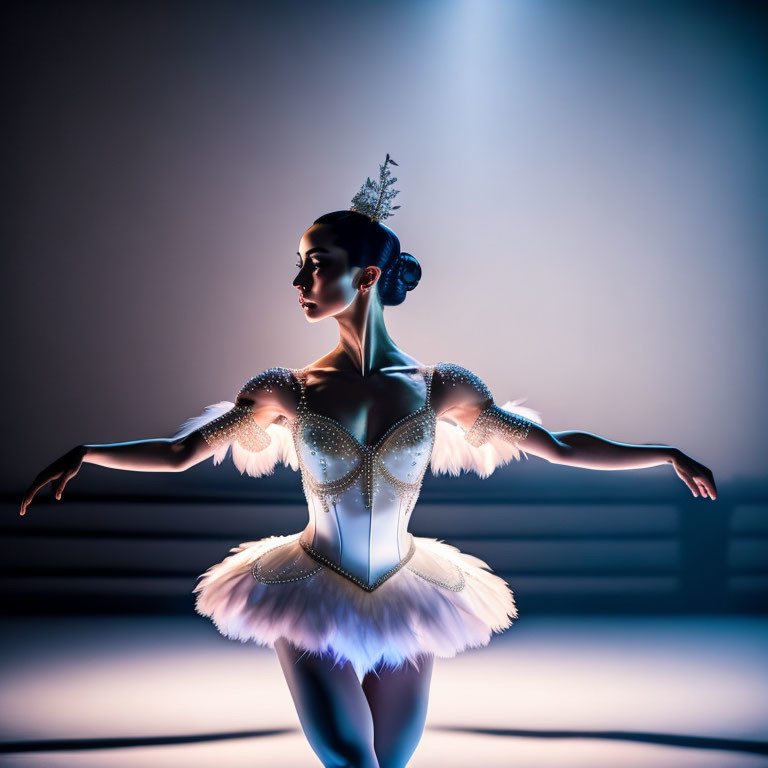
279, 577
452, 586
495, 421
370, 463
238, 423
351, 576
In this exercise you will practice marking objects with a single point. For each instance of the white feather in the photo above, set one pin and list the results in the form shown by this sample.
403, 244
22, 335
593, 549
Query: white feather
255, 463
452, 454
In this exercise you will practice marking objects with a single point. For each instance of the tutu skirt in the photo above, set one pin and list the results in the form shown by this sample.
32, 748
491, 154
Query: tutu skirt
440, 602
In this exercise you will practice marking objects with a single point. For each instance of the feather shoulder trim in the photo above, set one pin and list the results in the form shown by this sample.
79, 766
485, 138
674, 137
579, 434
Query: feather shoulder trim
255, 463
452, 454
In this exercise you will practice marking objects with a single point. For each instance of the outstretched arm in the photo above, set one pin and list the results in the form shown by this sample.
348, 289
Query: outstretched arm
464, 398
589, 451
241, 423
583, 449
160, 455
259, 403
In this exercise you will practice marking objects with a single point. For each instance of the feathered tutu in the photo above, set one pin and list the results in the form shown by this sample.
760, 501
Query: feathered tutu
440, 602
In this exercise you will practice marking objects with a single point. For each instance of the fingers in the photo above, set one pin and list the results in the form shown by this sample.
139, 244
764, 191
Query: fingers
62, 483
689, 482
707, 487
700, 486
26, 501
709, 479
705, 481
42, 479
30, 494
697, 477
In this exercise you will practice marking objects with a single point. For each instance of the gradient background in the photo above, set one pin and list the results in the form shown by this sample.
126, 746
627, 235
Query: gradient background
584, 184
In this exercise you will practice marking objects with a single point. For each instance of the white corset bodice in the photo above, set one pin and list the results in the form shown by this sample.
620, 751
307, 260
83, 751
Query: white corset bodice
361, 496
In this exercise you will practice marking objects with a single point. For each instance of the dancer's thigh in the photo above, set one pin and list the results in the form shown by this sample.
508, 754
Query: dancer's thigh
331, 705
398, 699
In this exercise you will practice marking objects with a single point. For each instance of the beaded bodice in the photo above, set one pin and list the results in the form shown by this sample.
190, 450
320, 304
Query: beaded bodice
361, 496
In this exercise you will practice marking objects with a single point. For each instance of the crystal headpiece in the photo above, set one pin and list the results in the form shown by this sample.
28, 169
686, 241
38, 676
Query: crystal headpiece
375, 199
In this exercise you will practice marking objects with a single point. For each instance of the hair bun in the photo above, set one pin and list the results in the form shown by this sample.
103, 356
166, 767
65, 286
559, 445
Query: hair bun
409, 271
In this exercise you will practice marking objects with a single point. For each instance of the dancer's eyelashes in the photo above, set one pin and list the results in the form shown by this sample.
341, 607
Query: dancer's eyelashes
315, 264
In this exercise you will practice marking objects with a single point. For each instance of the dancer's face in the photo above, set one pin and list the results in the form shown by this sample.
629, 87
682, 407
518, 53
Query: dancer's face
326, 283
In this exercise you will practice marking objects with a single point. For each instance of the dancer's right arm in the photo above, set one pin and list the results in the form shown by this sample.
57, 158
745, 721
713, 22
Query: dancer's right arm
160, 455
258, 404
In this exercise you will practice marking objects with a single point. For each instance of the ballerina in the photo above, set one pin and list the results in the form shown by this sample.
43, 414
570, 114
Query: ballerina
355, 606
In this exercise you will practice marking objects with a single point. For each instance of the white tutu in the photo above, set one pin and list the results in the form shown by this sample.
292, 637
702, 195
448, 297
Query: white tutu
441, 601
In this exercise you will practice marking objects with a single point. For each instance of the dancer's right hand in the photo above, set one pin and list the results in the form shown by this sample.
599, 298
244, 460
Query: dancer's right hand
62, 471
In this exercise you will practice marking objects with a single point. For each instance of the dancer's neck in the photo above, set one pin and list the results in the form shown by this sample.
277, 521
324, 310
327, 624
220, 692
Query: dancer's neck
364, 344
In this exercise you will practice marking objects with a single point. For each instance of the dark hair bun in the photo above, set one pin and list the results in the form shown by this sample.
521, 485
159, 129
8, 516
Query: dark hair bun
403, 276
410, 271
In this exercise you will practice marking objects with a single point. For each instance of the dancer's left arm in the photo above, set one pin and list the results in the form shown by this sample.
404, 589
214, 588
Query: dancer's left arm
590, 451
469, 402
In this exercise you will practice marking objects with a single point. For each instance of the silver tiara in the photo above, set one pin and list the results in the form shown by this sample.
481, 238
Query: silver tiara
375, 199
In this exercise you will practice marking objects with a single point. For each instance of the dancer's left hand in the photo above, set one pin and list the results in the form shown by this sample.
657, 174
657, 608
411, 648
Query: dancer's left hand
696, 476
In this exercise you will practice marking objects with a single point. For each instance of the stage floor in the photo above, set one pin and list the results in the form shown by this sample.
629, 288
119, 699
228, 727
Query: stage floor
596, 692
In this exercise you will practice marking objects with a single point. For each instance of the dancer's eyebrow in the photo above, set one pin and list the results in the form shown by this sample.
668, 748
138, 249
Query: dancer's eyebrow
314, 250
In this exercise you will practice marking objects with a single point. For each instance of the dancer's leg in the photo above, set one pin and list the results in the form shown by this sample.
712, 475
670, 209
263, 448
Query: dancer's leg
398, 700
332, 708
